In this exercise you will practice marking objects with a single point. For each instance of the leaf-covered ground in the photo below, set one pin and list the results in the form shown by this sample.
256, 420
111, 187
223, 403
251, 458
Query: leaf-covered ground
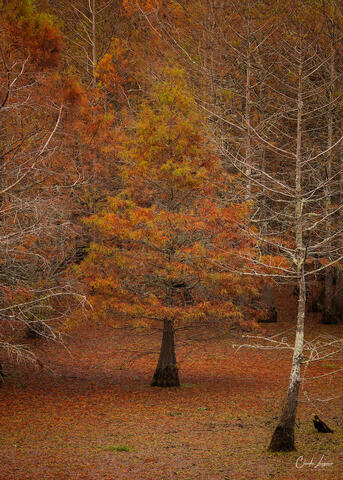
93, 416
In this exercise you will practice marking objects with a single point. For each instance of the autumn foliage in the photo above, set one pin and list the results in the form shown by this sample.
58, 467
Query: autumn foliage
173, 170
161, 238
35, 181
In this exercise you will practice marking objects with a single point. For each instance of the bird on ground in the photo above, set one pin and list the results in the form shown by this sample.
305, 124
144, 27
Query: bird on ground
320, 425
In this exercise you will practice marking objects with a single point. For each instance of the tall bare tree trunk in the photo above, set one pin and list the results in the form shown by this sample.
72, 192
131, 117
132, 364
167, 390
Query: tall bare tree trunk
328, 312
166, 374
93, 41
248, 158
283, 437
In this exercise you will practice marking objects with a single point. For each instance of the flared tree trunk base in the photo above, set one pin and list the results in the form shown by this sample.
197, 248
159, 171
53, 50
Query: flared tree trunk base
329, 318
166, 377
282, 440
166, 373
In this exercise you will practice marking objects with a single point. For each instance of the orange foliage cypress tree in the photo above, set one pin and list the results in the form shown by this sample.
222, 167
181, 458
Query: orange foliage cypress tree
162, 236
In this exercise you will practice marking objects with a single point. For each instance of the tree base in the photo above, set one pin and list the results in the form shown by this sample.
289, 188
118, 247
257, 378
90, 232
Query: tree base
271, 317
282, 440
329, 318
318, 302
166, 377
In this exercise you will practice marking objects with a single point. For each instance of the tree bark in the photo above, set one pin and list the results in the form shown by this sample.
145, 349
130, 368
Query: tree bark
283, 437
328, 312
338, 298
166, 374
248, 159
329, 315
94, 56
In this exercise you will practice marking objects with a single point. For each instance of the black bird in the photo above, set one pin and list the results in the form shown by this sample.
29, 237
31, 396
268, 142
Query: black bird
320, 425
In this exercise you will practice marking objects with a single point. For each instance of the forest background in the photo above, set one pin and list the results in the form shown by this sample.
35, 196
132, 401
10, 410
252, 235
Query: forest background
172, 169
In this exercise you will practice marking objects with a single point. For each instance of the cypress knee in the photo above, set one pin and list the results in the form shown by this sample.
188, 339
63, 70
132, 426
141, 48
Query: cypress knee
166, 374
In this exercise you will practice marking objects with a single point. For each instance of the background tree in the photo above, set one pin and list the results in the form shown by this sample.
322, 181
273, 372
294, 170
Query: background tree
295, 134
35, 184
89, 27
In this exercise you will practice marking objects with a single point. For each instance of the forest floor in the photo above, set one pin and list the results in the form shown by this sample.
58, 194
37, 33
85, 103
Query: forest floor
93, 416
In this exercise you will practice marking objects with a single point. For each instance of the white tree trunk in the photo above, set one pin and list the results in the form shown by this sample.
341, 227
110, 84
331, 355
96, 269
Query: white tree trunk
283, 437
